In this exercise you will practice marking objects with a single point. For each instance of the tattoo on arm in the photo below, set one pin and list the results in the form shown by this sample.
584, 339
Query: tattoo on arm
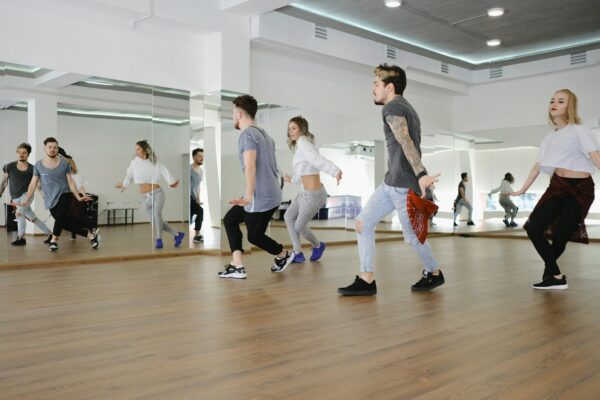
399, 127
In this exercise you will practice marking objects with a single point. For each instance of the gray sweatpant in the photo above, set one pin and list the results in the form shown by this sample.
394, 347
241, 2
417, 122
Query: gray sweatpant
301, 211
509, 207
153, 203
458, 207
25, 212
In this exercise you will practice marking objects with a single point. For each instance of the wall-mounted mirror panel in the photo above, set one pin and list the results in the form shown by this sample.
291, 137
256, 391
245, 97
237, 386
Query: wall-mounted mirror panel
98, 122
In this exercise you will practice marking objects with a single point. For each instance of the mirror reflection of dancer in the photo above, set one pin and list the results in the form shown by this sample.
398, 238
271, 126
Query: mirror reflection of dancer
256, 152
510, 209
145, 171
58, 188
18, 175
570, 154
461, 200
402, 129
195, 204
307, 163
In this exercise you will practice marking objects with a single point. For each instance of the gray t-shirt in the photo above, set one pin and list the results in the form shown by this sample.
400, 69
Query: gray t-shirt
54, 181
267, 193
18, 180
195, 180
400, 173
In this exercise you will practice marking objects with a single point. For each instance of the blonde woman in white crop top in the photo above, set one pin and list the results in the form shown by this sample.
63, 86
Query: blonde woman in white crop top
307, 164
571, 154
145, 171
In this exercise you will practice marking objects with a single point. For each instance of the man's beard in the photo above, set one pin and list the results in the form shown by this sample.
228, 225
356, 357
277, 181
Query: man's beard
52, 155
378, 103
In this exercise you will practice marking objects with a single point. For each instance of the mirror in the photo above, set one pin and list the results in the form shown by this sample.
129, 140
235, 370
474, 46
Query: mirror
98, 122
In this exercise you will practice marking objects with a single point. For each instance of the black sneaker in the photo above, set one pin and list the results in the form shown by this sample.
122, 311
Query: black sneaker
505, 222
19, 242
551, 283
53, 246
513, 224
455, 224
198, 239
48, 239
470, 223
282, 263
428, 282
233, 272
95, 240
359, 287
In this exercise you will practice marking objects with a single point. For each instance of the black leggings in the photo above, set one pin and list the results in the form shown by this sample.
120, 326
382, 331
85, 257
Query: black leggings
62, 218
568, 212
256, 225
197, 210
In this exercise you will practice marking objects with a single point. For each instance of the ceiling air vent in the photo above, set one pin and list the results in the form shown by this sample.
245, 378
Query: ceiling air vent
445, 68
578, 58
321, 32
390, 52
496, 72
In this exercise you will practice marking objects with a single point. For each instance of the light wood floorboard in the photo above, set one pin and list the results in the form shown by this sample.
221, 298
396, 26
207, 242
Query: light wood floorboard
170, 329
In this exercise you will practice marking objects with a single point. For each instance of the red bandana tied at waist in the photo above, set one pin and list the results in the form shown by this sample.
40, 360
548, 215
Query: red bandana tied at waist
419, 210
583, 193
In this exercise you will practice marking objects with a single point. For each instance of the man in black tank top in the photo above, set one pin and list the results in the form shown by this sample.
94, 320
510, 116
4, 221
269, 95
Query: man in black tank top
461, 200
17, 175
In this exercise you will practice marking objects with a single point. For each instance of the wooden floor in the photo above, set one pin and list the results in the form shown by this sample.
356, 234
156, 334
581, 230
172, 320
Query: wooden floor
170, 329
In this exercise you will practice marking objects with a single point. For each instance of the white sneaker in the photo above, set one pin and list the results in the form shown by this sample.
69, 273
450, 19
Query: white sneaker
233, 272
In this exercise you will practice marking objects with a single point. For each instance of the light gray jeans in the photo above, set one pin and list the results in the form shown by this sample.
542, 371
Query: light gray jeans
459, 205
509, 207
24, 213
304, 207
153, 203
384, 200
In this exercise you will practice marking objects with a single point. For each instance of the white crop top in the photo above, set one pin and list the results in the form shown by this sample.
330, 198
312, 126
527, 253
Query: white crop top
144, 171
308, 161
568, 148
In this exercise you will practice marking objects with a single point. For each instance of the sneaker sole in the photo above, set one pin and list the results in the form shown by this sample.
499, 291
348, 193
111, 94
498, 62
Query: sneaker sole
414, 289
556, 287
363, 293
232, 276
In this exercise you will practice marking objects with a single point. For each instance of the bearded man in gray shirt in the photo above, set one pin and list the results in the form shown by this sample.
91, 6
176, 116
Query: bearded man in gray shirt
54, 173
402, 130
262, 197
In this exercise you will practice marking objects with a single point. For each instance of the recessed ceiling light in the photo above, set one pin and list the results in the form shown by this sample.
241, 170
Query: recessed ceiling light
393, 3
495, 12
494, 42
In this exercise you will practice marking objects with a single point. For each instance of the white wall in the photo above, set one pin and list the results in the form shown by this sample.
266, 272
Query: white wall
102, 149
315, 82
524, 101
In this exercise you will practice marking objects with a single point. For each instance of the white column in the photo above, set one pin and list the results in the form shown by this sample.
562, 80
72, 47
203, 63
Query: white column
42, 122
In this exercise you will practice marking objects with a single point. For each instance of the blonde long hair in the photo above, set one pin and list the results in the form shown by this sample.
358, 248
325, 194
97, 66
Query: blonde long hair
572, 116
302, 124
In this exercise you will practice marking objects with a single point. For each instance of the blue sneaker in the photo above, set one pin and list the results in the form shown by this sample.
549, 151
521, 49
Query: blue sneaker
179, 239
298, 258
159, 244
317, 252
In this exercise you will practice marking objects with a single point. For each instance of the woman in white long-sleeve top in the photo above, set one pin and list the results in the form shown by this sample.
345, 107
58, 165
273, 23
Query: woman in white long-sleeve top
145, 171
510, 209
307, 164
